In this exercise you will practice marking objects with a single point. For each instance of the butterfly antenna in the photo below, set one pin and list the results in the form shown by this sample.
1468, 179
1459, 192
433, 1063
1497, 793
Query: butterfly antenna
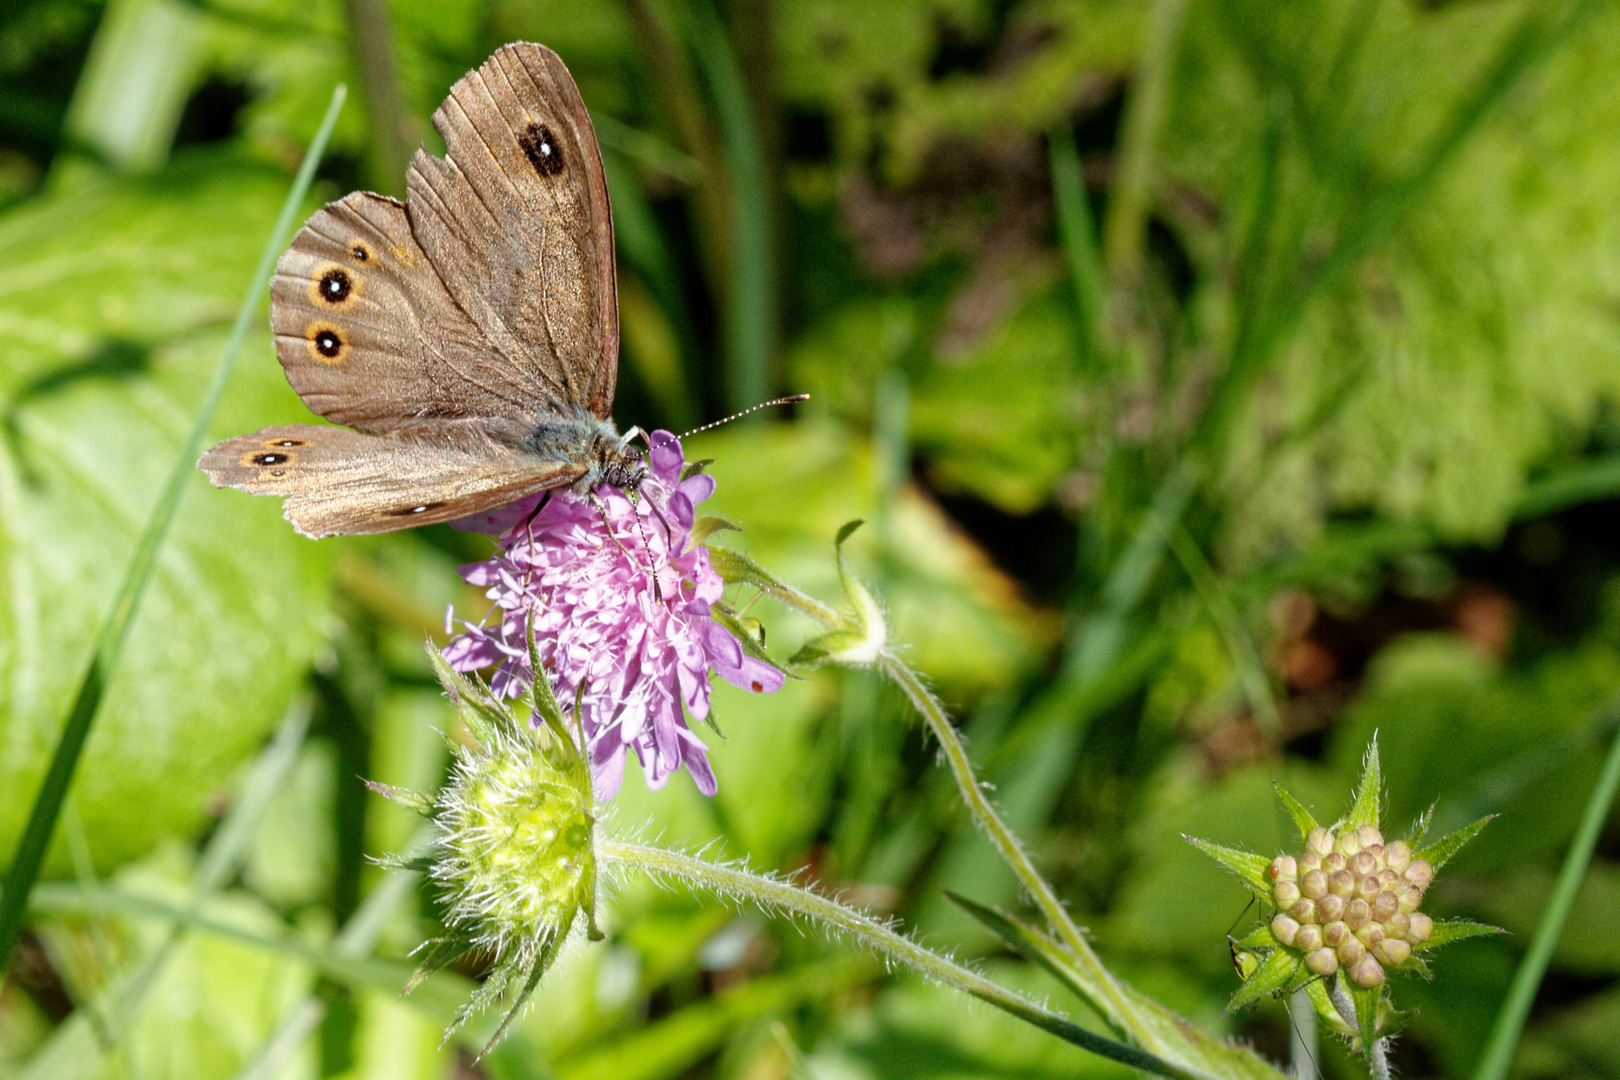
601, 508
789, 400
641, 527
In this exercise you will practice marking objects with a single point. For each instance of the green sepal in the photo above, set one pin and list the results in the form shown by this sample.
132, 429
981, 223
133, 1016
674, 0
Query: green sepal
1317, 991
477, 708
1450, 930
736, 568
728, 619
1369, 790
559, 751
548, 955
414, 801
1296, 810
693, 468
1274, 975
487, 993
1260, 937
1440, 852
819, 650
417, 864
1420, 827
440, 951
709, 524
1248, 867
1366, 1003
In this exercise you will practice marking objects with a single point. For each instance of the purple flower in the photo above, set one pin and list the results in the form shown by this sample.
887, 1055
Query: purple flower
643, 657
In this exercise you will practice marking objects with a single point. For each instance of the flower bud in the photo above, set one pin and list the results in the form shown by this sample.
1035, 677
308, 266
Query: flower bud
1357, 912
1364, 865
1397, 856
1369, 836
1385, 906
1286, 893
1284, 868
1322, 962
1334, 934
1329, 908
1371, 934
1311, 860
1419, 873
1376, 851
1283, 929
1319, 840
1335, 860
1350, 951
1389, 880
1313, 884
1349, 843
1304, 911
1392, 952
1367, 974
1398, 924
1342, 883
1410, 898
1367, 888
1422, 926
1309, 938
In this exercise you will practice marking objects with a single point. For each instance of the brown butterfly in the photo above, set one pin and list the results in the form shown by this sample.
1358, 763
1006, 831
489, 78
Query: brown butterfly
469, 335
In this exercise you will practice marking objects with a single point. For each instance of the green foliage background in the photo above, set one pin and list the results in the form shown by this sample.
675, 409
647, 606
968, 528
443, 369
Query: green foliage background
1318, 437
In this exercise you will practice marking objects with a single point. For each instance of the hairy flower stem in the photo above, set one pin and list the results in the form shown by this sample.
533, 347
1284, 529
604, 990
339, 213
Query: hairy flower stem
1106, 996
1378, 1053
769, 894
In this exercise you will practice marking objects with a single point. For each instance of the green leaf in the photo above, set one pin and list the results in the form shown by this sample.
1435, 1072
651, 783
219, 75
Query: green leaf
1364, 810
1303, 819
1317, 991
1420, 827
1274, 975
477, 707
709, 524
1447, 931
1440, 852
1247, 867
1260, 937
440, 951
845, 531
414, 801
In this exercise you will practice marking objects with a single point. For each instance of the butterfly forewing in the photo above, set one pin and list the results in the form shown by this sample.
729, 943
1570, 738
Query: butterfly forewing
344, 482
517, 223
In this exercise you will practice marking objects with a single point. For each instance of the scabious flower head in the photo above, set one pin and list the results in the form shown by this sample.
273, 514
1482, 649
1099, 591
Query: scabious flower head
584, 587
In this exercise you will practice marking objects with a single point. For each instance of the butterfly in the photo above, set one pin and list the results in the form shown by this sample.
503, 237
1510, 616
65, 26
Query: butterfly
468, 336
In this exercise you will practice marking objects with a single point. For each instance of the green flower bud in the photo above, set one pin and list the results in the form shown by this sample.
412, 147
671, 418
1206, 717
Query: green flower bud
1309, 938
1335, 860
1350, 951
1304, 912
1370, 837
1322, 962
1330, 907
1422, 926
1284, 929
1357, 912
1342, 883
1392, 951
1286, 893
1284, 868
1313, 884
1419, 873
1319, 840
1397, 856
1385, 906
1367, 974
1335, 934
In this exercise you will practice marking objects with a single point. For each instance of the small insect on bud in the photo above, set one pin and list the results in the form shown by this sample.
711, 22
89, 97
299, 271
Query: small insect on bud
1397, 856
1313, 884
1309, 938
1422, 926
1284, 929
1286, 893
1385, 906
1322, 962
1319, 840
1334, 934
1367, 974
1419, 873
1284, 868
1330, 907
1392, 952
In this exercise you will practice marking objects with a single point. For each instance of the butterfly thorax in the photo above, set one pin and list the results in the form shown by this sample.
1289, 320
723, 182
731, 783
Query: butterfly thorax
592, 443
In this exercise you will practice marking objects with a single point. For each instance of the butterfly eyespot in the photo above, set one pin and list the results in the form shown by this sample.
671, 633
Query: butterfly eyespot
412, 511
359, 252
542, 149
278, 472
326, 342
285, 442
334, 287
270, 459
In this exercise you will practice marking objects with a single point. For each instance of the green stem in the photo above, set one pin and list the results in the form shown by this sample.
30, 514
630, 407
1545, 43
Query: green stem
727, 881
1504, 1038
36, 838
1378, 1054
1108, 999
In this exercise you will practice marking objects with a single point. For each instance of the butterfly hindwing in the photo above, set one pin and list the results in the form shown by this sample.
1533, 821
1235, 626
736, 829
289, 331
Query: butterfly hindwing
516, 221
340, 481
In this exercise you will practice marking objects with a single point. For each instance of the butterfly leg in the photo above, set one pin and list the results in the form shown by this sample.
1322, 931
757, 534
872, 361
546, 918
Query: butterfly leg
601, 508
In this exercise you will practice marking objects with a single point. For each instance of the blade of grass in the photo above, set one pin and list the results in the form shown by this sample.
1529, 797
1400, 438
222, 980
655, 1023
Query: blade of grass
751, 299
71, 1047
1079, 234
1504, 1037
30, 853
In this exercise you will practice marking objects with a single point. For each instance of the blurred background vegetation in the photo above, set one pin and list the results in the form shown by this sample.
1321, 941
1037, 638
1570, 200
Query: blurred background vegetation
1222, 380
